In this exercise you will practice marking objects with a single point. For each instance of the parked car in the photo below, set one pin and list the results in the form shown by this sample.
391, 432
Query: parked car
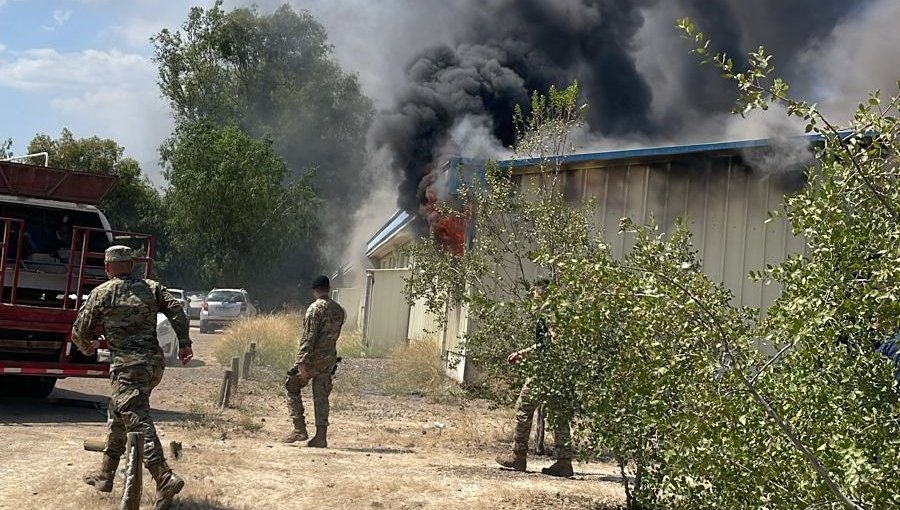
167, 339
179, 295
195, 300
223, 306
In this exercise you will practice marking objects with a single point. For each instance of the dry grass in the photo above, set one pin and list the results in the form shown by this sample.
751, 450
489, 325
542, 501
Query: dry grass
351, 345
275, 336
417, 369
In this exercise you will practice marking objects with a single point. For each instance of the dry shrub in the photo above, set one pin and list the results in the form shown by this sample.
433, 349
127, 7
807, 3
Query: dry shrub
276, 339
351, 345
417, 369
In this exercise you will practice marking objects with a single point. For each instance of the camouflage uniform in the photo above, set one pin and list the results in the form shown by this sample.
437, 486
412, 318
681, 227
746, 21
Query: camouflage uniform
318, 354
124, 310
528, 402
525, 407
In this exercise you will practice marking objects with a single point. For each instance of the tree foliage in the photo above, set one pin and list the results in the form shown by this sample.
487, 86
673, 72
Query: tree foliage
133, 204
273, 77
232, 206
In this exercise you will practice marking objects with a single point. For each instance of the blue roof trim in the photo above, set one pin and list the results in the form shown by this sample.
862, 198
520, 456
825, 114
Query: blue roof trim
455, 164
399, 220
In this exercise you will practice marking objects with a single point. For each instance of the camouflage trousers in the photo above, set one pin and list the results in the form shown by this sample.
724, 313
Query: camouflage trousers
526, 405
129, 410
321, 389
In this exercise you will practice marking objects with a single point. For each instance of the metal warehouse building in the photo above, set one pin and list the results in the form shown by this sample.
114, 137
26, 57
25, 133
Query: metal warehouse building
724, 189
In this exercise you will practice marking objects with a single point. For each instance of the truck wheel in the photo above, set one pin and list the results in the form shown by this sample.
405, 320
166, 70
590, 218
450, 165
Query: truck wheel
26, 386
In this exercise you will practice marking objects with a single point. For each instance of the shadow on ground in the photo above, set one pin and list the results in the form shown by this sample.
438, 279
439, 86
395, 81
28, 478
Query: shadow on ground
67, 406
203, 504
387, 451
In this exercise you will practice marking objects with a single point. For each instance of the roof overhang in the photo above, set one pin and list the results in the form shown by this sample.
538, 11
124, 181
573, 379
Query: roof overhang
397, 230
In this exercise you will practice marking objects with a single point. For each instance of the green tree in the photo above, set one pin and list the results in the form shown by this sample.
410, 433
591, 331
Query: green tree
133, 203
233, 210
273, 76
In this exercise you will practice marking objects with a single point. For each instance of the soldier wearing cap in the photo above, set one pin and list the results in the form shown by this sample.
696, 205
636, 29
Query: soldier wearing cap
124, 310
316, 361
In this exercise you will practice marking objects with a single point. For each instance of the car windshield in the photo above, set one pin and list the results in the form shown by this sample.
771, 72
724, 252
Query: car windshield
177, 294
225, 296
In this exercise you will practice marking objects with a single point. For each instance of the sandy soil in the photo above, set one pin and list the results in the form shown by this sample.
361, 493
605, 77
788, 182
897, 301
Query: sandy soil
385, 451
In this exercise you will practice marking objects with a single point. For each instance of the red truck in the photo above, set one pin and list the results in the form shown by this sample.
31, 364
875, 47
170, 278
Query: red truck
52, 239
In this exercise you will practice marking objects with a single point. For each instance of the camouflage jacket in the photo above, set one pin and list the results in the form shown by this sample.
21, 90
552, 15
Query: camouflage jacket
321, 329
124, 310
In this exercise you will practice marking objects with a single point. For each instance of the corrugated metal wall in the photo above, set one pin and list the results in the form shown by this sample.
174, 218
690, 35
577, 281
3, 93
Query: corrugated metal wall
726, 205
386, 312
350, 299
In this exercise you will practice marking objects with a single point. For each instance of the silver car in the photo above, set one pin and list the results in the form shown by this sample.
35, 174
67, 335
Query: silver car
223, 306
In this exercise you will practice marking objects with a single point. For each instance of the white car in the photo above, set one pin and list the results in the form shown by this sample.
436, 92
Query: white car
223, 306
195, 300
167, 339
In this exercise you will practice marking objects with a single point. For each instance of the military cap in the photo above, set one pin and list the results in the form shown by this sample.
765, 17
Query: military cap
321, 282
117, 253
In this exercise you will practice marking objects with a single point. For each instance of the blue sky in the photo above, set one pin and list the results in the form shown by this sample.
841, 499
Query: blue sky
85, 65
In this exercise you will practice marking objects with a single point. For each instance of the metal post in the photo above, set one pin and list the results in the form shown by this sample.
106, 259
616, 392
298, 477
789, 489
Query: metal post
134, 451
15, 284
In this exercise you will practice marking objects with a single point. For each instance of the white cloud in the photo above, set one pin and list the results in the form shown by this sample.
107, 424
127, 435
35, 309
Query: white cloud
134, 115
59, 19
49, 69
105, 93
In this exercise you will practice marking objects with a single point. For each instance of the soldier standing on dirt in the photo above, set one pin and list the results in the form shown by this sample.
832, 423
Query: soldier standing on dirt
316, 362
124, 310
528, 403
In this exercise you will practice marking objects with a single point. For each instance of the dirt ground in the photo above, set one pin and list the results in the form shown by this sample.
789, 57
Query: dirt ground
384, 451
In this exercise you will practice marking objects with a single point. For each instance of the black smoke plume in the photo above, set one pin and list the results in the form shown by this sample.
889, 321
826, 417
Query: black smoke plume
505, 49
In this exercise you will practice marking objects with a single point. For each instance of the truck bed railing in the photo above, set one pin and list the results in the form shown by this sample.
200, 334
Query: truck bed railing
83, 234
4, 255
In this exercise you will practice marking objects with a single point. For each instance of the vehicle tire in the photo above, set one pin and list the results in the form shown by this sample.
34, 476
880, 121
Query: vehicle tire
26, 386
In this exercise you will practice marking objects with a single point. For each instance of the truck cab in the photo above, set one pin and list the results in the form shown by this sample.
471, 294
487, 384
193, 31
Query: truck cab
52, 240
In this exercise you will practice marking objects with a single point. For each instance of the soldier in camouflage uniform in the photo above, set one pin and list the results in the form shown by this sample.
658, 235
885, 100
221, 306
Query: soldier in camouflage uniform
528, 402
124, 311
316, 362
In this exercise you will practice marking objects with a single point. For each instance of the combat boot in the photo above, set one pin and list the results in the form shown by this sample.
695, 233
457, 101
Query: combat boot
319, 440
562, 468
296, 435
515, 461
168, 484
102, 480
